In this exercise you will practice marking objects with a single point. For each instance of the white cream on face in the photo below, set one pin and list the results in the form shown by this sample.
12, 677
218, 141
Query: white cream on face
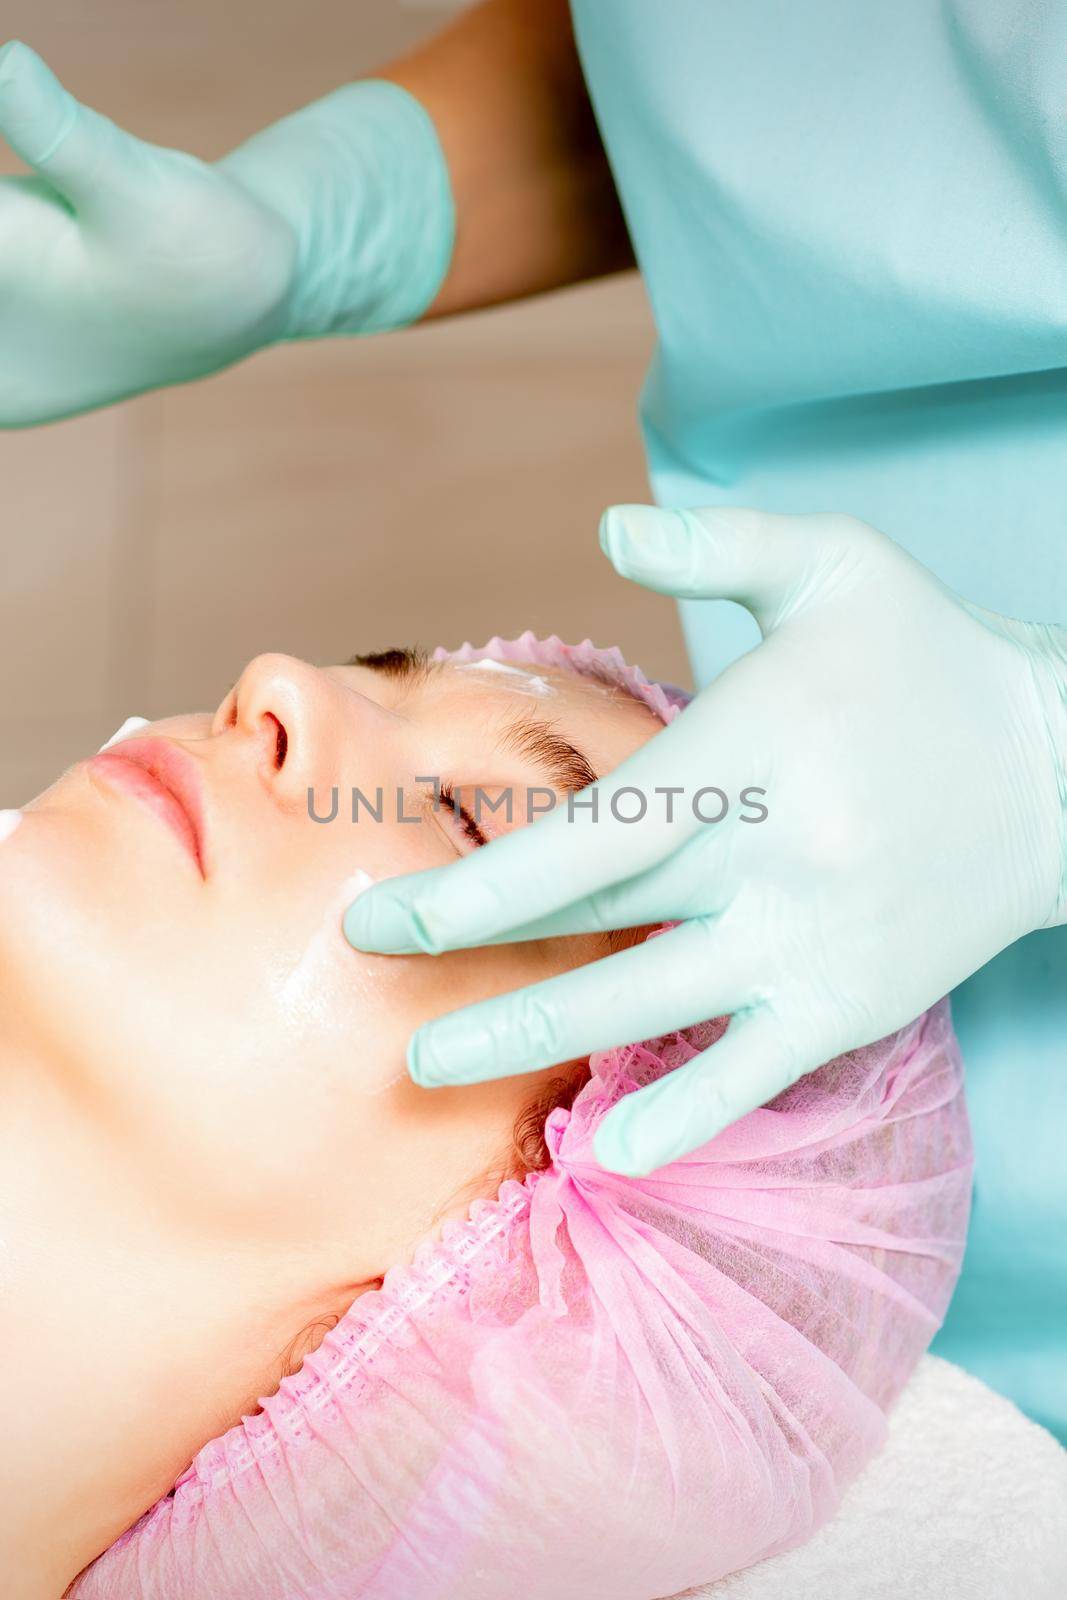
307, 994
131, 725
530, 682
9, 821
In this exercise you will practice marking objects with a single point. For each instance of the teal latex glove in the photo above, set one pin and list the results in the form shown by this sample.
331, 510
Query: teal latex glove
124, 266
912, 747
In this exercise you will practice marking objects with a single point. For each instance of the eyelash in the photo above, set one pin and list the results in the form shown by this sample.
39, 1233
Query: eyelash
470, 827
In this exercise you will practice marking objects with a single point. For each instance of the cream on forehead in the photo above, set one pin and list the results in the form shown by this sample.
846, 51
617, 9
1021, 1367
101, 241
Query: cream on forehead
532, 681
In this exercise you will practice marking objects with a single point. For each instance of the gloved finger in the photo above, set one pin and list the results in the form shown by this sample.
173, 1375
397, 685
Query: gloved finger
753, 1061
684, 976
22, 200
675, 890
84, 155
515, 879
770, 563
562, 857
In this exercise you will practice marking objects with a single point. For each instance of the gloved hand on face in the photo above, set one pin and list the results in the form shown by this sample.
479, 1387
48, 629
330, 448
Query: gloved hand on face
911, 749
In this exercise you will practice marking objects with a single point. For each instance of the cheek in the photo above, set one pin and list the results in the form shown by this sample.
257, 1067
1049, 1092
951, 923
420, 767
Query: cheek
94, 946
306, 1032
211, 1041
237, 1060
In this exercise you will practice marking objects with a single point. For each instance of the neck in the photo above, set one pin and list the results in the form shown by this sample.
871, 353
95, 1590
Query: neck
107, 1313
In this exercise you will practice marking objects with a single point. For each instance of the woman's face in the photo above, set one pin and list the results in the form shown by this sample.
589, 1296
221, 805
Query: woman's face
190, 987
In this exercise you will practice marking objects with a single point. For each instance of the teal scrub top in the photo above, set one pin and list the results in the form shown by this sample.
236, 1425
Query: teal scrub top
851, 221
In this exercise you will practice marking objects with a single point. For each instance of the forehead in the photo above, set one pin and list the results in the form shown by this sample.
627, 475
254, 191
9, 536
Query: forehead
602, 718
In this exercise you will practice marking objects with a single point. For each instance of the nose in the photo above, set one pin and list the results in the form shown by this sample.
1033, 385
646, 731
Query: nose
284, 708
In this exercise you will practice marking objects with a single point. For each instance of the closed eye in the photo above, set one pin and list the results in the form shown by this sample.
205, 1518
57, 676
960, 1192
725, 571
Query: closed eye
470, 828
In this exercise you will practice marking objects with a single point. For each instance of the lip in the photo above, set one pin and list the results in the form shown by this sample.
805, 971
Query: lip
164, 778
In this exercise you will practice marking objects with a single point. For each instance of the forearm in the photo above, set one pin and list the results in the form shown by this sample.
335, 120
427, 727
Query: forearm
535, 202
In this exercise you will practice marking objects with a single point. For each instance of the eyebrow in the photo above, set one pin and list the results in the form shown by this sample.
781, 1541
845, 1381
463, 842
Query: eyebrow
564, 764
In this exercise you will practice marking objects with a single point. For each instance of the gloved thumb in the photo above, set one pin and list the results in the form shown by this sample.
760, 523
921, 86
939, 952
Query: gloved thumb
764, 560
77, 150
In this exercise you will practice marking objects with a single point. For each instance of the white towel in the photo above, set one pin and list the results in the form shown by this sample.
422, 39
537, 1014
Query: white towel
967, 1501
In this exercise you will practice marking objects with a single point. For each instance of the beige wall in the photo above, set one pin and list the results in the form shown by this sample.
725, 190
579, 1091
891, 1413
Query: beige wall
426, 487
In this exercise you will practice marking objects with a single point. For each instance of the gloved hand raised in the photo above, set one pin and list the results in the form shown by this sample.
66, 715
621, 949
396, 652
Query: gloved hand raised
912, 747
124, 266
